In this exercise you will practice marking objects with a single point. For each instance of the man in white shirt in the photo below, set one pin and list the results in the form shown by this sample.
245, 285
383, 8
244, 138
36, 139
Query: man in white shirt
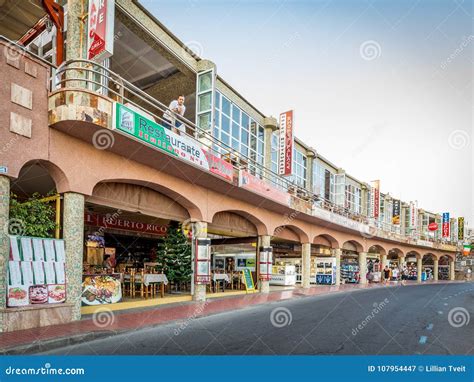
177, 107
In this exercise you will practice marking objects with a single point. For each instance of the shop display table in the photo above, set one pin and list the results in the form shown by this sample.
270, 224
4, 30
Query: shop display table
150, 278
220, 278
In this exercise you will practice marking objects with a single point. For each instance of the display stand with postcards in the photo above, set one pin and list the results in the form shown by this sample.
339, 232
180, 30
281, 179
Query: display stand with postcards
325, 270
36, 271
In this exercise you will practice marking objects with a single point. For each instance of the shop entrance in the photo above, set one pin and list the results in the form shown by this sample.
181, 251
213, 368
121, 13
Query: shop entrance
427, 267
411, 267
287, 264
350, 271
443, 268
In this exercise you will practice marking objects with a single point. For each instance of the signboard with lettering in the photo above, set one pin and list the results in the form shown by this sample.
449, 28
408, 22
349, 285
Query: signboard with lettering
112, 222
396, 212
461, 228
285, 158
445, 227
375, 198
248, 280
259, 186
100, 34
413, 216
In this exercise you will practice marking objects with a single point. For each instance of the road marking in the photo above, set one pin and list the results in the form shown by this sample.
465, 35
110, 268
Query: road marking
440, 312
445, 304
423, 340
429, 327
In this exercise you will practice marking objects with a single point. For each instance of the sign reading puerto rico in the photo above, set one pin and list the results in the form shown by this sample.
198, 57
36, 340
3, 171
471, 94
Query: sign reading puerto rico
445, 224
285, 158
113, 222
143, 129
100, 34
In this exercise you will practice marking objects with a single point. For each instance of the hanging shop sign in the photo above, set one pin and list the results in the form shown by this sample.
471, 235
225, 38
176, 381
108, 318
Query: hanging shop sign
413, 216
396, 212
219, 166
108, 221
445, 227
255, 184
285, 158
375, 198
461, 228
433, 226
100, 36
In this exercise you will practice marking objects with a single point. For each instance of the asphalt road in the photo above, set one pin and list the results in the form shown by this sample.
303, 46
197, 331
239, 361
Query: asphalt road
424, 319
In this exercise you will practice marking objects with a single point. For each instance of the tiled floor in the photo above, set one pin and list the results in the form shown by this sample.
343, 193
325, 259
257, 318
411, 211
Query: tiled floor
108, 321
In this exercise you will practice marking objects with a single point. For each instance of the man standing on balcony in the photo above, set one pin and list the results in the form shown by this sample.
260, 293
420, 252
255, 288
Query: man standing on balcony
176, 107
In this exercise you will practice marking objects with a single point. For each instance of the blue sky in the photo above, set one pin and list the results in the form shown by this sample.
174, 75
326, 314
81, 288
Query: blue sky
381, 88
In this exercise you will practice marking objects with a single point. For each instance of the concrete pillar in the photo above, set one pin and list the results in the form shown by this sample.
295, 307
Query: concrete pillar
363, 267
401, 261
263, 241
199, 231
4, 244
435, 269
419, 266
306, 262
75, 46
383, 260
451, 270
73, 234
270, 125
337, 253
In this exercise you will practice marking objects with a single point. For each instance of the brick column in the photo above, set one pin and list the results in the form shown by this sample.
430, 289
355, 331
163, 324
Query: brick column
306, 262
263, 241
435, 269
199, 231
363, 267
73, 234
4, 243
337, 254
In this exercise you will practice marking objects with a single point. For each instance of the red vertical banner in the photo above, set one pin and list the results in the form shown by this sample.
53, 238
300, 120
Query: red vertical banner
285, 160
100, 33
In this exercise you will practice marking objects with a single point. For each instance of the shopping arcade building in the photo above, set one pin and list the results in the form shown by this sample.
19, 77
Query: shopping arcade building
52, 136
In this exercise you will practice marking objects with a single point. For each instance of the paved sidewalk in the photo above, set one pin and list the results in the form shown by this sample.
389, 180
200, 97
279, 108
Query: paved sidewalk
107, 323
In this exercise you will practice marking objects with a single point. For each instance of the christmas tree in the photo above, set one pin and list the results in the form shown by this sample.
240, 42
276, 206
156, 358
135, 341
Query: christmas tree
174, 255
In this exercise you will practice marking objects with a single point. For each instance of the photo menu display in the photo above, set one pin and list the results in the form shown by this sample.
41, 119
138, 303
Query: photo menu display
36, 271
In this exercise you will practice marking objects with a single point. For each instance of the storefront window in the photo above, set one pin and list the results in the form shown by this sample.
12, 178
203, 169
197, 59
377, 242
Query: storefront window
205, 99
299, 168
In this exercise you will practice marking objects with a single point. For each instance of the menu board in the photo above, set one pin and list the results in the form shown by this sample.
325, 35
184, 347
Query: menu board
14, 273
60, 272
49, 272
27, 272
26, 249
38, 250
60, 253
248, 280
14, 249
38, 272
50, 253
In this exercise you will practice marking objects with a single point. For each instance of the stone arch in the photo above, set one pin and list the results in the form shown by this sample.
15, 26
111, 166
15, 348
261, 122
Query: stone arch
32, 171
377, 249
142, 197
395, 253
428, 258
353, 245
238, 218
413, 253
326, 240
291, 232
445, 258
